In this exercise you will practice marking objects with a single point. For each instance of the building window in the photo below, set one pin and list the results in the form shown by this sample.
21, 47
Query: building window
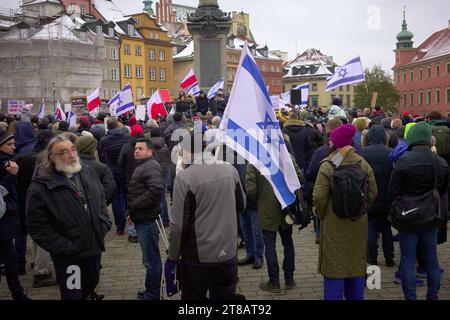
114, 55
162, 55
23, 33
83, 9
83, 36
111, 32
314, 87
137, 21
162, 74
72, 8
114, 74
438, 96
272, 68
398, 78
420, 98
152, 74
420, 74
341, 89
263, 68
126, 49
404, 100
138, 51
411, 100
131, 30
438, 71
114, 92
139, 72
404, 76
127, 71
315, 101
411, 78
448, 68
349, 97
156, 35
151, 35
151, 54
139, 92
448, 95
428, 96
105, 74
348, 88
429, 72
99, 30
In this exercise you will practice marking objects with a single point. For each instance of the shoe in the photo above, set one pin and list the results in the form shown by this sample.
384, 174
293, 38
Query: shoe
290, 285
43, 280
390, 262
119, 233
372, 261
140, 295
241, 244
96, 296
258, 264
21, 297
270, 287
317, 239
133, 239
246, 261
398, 279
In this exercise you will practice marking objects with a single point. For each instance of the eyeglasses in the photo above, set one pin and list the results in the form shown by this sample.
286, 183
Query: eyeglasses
66, 152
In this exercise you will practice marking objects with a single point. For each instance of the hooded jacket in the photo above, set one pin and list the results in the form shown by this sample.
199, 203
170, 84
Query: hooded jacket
59, 222
24, 138
111, 145
377, 156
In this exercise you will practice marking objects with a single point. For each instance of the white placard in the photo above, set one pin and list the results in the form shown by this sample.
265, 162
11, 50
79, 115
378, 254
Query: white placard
140, 112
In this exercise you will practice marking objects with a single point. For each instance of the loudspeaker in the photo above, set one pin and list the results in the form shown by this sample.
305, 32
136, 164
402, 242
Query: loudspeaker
296, 97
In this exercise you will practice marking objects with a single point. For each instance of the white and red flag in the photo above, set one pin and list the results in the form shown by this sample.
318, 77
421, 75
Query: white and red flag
93, 100
190, 84
155, 105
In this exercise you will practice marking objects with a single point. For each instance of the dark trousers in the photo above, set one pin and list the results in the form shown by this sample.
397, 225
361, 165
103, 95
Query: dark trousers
384, 227
20, 243
270, 242
220, 281
89, 277
119, 203
8, 256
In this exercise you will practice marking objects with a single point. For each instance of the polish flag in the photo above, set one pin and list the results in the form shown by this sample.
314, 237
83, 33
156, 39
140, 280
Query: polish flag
155, 105
59, 113
93, 100
190, 84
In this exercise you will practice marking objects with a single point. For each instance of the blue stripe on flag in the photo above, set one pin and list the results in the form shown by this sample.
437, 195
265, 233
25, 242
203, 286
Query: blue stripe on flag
124, 107
353, 61
345, 80
114, 99
252, 68
278, 179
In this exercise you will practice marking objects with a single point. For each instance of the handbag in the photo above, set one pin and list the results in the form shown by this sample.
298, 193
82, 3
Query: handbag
417, 213
296, 214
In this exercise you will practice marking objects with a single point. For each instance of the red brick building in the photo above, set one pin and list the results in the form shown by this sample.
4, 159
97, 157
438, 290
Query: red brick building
422, 74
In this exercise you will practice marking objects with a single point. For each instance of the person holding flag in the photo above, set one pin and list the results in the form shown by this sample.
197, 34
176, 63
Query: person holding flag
272, 178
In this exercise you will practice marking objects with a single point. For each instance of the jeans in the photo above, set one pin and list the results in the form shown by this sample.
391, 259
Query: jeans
89, 272
119, 203
270, 238
41, 259
8, 256
148, 235
253, 236
384, 227
165, 211
427, 242
337, 289
20, 243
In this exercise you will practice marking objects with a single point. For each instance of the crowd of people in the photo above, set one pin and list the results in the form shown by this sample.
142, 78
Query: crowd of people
57, 182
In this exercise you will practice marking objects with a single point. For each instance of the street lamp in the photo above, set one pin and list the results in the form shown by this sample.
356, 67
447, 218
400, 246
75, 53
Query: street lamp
54, 97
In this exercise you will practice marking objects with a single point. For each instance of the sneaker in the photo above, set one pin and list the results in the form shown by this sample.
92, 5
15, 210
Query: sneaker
390, 262
21, 297
140, 295
241, 244
258, 264
43, 280
290, 285
398, 279
270, 287
246, 261
96, 296
133, 239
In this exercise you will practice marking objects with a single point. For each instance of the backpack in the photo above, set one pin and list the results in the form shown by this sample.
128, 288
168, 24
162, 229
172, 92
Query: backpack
297, 213
350, 191
442, 135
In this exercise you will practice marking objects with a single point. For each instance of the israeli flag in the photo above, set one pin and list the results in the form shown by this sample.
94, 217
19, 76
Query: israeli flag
72, 119
122, 102
215, 88
350, 73
250, 127
41, 112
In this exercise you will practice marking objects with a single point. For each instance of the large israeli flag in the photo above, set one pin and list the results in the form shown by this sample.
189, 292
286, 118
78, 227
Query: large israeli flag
122, 102
250, 127
350, 73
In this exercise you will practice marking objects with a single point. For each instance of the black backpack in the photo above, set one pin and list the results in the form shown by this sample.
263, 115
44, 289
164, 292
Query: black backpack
350, 191
297, 213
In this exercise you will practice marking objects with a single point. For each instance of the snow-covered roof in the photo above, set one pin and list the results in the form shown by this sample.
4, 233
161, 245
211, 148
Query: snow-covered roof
435, 46
188, 52
310, 63
108, 10
6, 23
62, 28
42, 1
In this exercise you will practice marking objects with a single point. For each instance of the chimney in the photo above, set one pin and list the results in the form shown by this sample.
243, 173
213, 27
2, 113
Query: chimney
449, 24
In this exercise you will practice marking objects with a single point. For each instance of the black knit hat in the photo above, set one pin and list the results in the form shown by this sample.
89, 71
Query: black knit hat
5, 136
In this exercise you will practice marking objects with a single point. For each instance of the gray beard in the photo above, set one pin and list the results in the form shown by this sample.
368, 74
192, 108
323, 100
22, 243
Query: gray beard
68, 169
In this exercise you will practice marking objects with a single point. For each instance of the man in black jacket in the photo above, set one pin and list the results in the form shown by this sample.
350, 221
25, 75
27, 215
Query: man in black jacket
66, 216
144, 204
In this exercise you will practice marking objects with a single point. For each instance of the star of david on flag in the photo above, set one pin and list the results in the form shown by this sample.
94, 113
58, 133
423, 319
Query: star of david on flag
350, 73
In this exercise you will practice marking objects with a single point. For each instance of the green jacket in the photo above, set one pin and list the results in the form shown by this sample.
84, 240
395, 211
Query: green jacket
343, 242
260, 190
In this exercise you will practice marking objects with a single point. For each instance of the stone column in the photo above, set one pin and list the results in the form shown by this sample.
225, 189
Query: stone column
209, 27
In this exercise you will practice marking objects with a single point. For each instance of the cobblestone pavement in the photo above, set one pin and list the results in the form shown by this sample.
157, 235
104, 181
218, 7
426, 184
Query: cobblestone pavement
122, 275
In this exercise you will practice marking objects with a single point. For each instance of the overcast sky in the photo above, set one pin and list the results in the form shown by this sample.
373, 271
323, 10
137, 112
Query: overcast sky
343, 29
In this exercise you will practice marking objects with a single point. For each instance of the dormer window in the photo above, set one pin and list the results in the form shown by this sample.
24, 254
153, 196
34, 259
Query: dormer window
131, 30
83, 36
111, 32
99, 30
23, 33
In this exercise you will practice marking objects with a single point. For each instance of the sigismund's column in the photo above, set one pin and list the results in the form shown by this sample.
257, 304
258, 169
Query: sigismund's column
209, 27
